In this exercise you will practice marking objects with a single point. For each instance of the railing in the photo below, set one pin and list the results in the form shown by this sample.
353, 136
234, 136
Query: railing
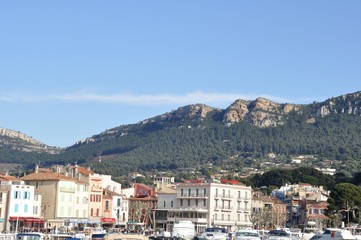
67, 189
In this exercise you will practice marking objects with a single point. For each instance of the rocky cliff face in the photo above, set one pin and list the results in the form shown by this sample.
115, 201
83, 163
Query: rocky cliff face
194, 111
345, 104
22, 142
261, 112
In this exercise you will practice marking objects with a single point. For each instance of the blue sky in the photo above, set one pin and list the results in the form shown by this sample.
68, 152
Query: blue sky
72, 69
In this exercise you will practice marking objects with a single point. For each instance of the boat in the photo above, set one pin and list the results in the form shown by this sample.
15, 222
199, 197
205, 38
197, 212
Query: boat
278, 235
310, 230
356, 231
214, 233
31, 236
98, 233
247, 235
333, 234
184, 229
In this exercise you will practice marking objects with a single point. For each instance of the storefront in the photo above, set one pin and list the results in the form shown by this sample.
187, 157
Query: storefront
107, 222
21, 224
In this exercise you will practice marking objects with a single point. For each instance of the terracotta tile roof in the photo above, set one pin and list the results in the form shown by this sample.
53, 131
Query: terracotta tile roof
47, 177
9, 178
85, 171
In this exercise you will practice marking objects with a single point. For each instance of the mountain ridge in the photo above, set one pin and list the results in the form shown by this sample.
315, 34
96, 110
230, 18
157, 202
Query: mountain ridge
197, 133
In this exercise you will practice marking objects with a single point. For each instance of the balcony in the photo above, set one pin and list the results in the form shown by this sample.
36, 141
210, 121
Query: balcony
226, 209
193, 195
67, 189
226, 196
96, 189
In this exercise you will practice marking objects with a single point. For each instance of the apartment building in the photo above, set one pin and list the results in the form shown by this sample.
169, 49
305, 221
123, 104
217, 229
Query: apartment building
20, 206
64, 199
208, 204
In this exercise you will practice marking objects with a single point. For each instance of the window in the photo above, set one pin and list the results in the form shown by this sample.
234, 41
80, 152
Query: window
16, 196
181, 202
246, 195
196, 192
107, 205
189, 202
205, 192
16, 208
223, 192
97, 212
196, 202
189, 192
239, 206
35, 210
26, 208
182, 192
229, 217
1, 197
118, 202
215, 216
222, 217
204, 203
239, 194
216, 192
171, 203
238, 217
164, 203
91, 212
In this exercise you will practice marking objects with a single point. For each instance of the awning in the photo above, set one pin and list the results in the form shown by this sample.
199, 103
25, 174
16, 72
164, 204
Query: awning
26, 219
107, 220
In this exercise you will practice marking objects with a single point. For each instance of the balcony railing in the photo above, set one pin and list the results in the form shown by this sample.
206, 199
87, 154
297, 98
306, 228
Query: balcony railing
67, 189
193, 195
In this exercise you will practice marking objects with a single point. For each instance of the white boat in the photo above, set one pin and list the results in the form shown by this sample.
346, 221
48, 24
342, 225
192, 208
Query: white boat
356, 231
98, 233
184, 229
214, 233
31, 236
278, 235
310, 230
247, 235
333, 234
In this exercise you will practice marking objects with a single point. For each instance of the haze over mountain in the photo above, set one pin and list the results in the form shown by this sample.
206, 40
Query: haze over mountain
198, 134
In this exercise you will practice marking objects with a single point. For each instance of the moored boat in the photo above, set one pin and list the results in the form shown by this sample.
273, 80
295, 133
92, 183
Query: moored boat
214, 233
184, 229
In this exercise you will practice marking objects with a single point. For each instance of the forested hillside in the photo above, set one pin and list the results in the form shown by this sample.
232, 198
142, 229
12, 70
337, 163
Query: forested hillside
239, 136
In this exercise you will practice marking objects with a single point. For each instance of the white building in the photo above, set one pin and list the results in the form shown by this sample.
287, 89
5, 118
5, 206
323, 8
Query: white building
111, 185
163, 180
22, 207
120, 210
208, 204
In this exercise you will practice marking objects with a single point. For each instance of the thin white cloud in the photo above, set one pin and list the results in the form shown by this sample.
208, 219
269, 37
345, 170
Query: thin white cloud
142, 99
